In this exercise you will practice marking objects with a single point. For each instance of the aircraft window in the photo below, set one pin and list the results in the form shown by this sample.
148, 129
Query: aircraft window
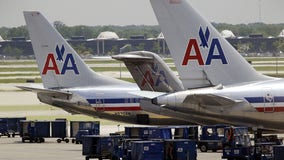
209, 131
220, 132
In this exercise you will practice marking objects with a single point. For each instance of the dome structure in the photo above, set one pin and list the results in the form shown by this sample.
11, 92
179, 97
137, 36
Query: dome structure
227, 34
107, 35
281, 34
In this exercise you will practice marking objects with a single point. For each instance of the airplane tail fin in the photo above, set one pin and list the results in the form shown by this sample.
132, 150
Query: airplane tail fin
59, 64
202, 56
150, 72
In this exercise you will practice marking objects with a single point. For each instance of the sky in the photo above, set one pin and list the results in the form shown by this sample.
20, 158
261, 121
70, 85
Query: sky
137, 12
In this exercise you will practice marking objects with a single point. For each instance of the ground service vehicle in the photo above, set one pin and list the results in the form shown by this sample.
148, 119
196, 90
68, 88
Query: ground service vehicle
237, 143
211, 138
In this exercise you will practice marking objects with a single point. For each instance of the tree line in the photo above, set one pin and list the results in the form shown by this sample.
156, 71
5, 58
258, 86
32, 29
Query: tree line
240, 30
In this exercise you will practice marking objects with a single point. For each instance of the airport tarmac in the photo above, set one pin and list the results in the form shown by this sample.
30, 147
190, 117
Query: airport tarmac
14, 149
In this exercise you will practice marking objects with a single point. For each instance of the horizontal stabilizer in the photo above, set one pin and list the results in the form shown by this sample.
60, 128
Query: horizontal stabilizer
46, 91
132, 58
147, 94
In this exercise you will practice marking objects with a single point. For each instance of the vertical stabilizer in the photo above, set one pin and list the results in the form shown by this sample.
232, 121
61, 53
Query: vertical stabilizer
150, 71
59, 65
202, 56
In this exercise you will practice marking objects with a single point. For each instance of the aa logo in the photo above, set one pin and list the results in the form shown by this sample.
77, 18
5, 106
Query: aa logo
154, 77
193, 51
68, 63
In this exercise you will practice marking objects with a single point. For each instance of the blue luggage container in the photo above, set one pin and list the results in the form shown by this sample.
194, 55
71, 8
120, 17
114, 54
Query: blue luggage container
147, 150
35, 131
81, 128
186, 132
42, 129
147, 133
95, 146
59, 130
92, 126
4, 128
132, 132
180, 149
159, 133
13, 125
278, 152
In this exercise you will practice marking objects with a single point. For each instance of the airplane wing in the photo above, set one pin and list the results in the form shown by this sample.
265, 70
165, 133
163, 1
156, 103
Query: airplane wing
210, 100
56, 93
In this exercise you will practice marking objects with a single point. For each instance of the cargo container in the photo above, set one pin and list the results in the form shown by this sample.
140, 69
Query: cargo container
180, 149
59, 130
147, 133
10, 126
35, 131
117, 151
147, 150
186, 132
14, 125
92, 126
278, 152
4, 128
81, 128
212, 138
127, 145
95, 146
132, 132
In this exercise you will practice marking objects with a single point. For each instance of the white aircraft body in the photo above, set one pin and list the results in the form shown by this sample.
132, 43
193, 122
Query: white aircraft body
221, 86
70, 84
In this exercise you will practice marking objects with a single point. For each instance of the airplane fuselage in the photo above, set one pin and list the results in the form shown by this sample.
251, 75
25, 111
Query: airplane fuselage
259, 104
108, 102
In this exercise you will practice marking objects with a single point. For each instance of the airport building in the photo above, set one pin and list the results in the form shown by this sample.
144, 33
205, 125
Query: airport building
109, 43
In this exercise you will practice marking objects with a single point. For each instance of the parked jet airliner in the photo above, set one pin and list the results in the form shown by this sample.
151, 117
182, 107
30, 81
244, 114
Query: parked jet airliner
70, 84
222, 87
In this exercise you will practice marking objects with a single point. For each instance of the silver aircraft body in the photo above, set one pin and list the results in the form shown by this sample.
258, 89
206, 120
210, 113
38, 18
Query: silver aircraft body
68, 83
220, 85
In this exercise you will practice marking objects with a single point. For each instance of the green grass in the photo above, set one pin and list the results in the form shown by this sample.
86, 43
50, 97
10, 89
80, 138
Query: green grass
269, 68
18, 74
169, 60
19, 62
128, 79
21, 69
20, 80
264, 58
102, 61
276, 75
103, 69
